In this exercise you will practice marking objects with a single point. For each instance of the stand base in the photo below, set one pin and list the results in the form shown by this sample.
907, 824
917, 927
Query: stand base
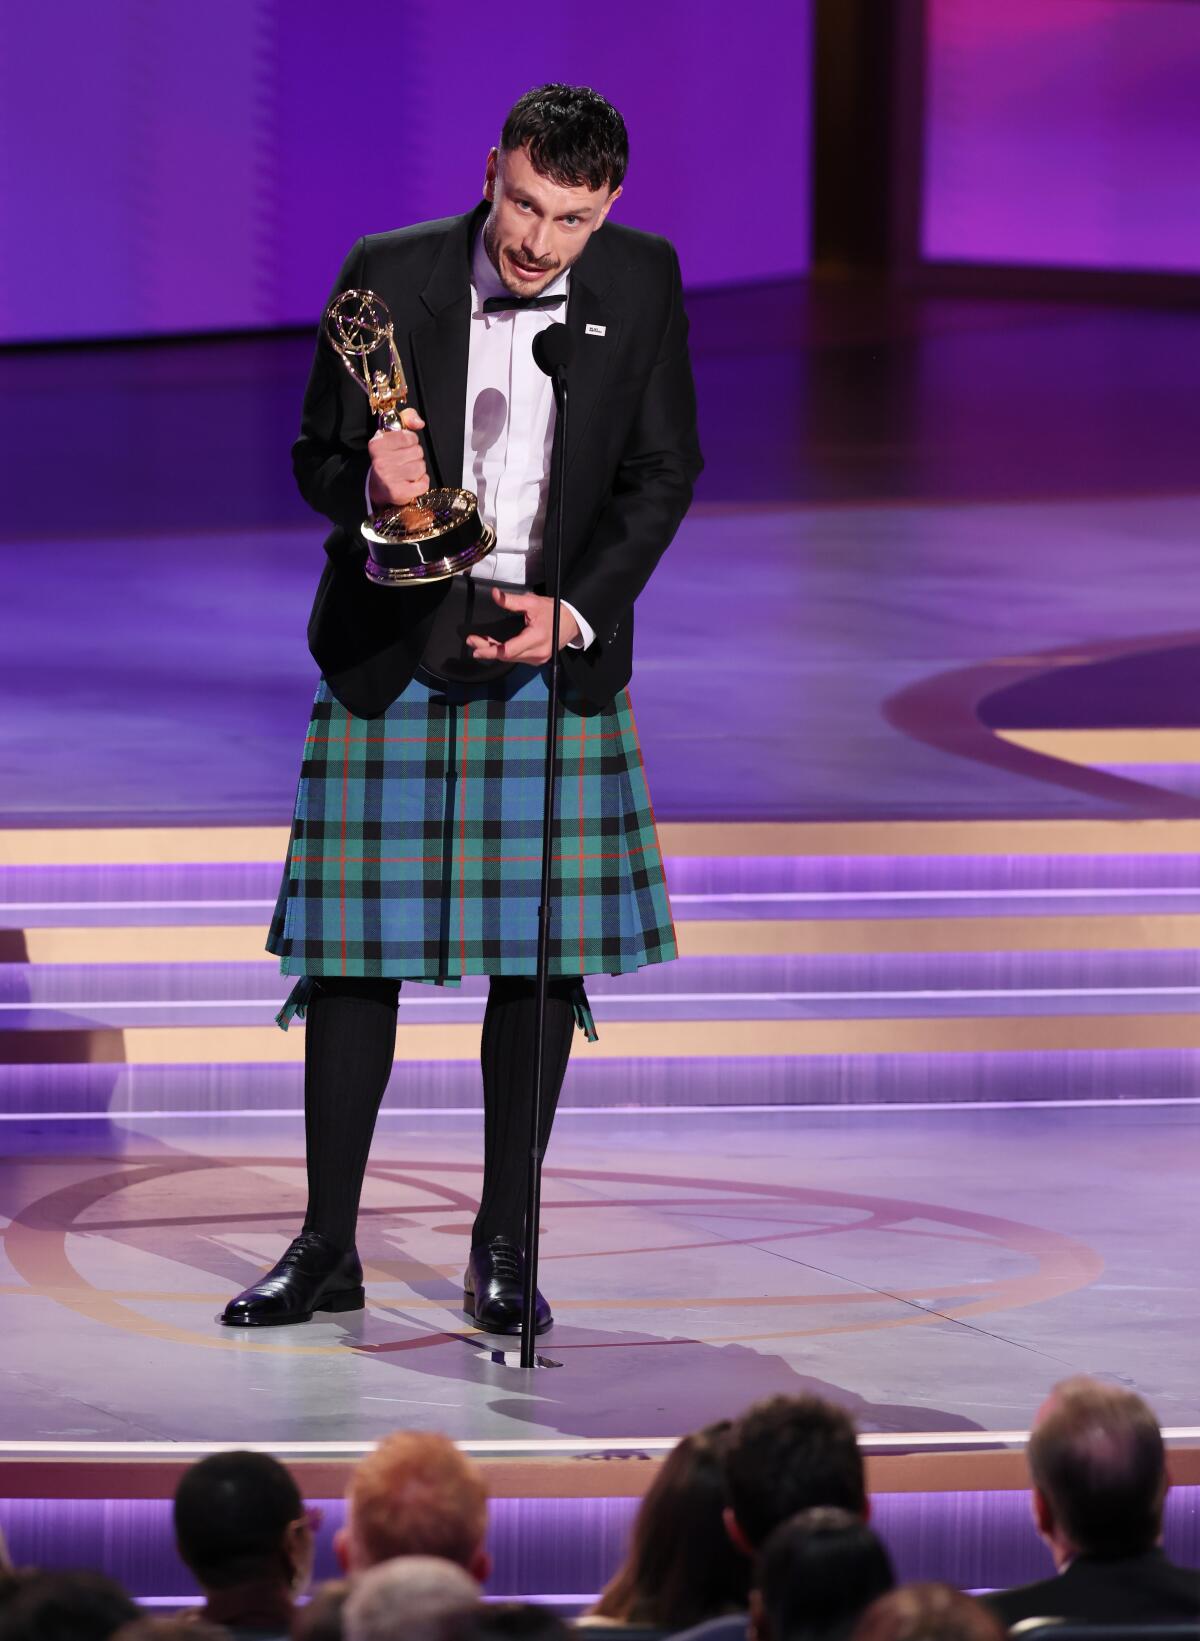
512, 1359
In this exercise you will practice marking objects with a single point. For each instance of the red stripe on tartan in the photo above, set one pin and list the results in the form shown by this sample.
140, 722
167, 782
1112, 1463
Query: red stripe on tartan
345, 801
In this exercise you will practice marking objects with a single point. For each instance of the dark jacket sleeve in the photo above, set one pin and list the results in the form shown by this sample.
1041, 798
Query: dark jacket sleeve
330, 458
652, 487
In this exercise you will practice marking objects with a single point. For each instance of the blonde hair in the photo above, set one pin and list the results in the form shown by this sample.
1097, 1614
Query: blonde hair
416, 1495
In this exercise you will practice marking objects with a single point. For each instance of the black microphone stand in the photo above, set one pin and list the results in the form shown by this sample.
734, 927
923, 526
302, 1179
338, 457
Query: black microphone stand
533, 1195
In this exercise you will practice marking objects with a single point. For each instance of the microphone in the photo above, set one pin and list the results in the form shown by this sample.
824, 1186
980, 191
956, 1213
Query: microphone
552, 350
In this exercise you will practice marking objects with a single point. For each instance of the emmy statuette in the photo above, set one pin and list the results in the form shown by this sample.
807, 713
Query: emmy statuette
439, 534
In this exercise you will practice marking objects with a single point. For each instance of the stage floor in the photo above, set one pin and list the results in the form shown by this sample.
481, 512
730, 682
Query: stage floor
934, 1271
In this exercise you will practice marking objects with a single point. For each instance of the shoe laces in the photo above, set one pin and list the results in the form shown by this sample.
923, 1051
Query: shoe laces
506, 1259
306, 1242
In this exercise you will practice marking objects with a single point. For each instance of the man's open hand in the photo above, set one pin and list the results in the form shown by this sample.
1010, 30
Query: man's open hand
533, 645
397, 464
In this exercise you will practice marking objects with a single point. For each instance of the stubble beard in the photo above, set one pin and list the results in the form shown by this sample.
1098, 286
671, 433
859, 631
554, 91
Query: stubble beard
510, 281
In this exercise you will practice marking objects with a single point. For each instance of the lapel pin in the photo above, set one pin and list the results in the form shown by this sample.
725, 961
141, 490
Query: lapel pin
594, 330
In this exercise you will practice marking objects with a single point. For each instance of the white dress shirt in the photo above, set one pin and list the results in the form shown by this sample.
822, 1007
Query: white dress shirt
508, 431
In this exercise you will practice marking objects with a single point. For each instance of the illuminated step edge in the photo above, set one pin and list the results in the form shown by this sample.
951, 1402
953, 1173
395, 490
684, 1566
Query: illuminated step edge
719, 937
246, 845
626, 1040
1110, 746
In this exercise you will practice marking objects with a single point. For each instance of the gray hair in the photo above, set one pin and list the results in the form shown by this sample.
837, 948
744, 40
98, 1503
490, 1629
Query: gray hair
407, 1599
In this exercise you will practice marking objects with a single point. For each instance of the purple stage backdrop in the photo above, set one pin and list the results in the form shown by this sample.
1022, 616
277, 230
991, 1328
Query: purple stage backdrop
1063, 132
176, 168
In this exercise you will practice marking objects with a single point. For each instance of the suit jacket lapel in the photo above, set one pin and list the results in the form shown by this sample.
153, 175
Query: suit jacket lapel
440, 347
592, 353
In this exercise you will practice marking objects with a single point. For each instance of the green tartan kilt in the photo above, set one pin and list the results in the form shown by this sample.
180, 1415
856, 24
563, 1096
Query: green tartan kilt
416, 843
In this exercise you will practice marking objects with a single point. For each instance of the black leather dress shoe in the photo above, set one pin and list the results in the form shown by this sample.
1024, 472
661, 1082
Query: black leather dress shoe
313, 1275
493, 1289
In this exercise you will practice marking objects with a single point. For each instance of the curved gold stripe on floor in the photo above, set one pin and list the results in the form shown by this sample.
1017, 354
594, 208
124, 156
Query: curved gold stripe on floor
700, 937
625, 1039
1110, 746
247, 845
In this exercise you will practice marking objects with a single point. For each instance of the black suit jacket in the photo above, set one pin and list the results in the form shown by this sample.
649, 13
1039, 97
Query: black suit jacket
632, 454
1124, 1590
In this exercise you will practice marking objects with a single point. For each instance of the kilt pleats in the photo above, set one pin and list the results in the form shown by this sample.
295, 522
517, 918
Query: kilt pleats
415, 850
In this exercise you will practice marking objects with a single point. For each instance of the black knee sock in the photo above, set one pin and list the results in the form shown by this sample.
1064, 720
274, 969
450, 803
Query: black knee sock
349, 1045
507, 1056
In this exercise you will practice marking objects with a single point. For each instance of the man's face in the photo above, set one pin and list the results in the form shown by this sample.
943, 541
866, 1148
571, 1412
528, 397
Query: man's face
536, 228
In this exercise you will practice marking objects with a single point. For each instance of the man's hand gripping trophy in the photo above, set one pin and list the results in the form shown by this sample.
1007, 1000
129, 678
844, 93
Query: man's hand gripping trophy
416, 534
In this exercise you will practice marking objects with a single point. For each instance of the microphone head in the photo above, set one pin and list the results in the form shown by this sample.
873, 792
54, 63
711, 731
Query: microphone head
552, 349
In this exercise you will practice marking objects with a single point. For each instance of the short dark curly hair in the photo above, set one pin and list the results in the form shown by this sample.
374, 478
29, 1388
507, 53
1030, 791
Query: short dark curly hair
792, 1453
231, 1513
43, 1606
574, 136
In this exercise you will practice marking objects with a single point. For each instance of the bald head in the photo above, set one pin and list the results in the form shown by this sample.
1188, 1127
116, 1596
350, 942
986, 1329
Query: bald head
1096, 1456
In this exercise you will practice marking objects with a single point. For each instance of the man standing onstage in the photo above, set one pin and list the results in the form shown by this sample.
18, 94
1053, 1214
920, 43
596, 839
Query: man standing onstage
415, 848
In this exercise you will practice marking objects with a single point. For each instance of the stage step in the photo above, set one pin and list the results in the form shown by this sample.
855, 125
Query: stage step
626, 1040
716, 888
78, 996
1007, 837
852, 1082
700, 937
802, 959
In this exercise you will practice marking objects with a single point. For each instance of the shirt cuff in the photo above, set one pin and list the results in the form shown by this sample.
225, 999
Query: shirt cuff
587, 635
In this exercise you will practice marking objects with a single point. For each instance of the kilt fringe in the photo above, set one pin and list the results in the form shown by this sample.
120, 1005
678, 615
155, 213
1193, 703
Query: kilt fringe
296, 1005
301, 993
415, 851
584, 1018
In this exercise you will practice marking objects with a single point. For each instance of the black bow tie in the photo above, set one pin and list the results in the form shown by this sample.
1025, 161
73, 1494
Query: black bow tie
501, 304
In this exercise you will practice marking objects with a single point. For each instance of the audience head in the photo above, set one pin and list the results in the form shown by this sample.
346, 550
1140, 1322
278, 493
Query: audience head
816, 1574
506, 1621
171, 1627
239, 1518
787, 1454
407, 1600
928, 1612
1099, 1471
321, 1618
681, 1567
415, 1495
63, 1607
